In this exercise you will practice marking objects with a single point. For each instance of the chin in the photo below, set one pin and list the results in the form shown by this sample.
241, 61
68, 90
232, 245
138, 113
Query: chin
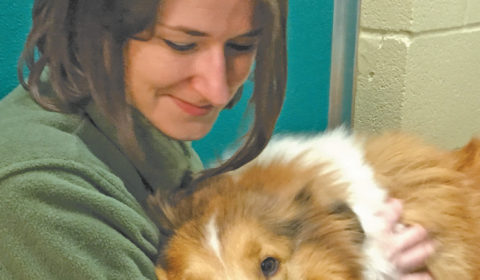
187, 136
187, 131
308, 203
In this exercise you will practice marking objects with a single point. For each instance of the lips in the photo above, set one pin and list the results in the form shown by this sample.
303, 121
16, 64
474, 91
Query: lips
192, 109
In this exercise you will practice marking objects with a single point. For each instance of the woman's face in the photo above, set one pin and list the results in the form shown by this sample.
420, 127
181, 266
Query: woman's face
201, 52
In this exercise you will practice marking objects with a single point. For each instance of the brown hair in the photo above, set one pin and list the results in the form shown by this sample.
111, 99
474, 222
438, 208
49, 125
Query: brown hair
270, 79
81, 42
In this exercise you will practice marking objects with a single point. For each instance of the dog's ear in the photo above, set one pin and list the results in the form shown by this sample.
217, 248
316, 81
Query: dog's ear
343, 211
168, 212
468, 157
160, 273
319, 214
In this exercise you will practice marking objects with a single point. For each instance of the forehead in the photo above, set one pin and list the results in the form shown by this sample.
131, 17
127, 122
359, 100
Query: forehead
209, 16
219, 250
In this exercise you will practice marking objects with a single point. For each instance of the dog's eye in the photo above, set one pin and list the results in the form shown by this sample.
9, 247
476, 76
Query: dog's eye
269, 266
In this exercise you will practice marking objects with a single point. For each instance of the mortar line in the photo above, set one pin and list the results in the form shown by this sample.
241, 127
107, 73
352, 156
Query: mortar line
428, 33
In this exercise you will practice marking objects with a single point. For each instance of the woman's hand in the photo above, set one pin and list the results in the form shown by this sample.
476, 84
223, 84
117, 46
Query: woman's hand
407, 248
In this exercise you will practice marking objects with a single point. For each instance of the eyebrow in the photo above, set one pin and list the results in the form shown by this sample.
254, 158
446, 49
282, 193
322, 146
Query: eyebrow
196, 33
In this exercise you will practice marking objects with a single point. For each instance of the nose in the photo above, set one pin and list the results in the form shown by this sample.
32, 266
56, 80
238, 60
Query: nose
211, 78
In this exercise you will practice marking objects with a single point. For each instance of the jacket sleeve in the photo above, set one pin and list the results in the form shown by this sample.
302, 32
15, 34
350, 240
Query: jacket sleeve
61, 221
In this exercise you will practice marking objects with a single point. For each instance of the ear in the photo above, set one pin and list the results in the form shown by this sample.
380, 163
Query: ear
468, 157
167, 212
319, 212
160, 273
343, 212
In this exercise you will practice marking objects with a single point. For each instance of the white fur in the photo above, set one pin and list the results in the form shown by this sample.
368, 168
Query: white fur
212, 238
343, 154
213, 242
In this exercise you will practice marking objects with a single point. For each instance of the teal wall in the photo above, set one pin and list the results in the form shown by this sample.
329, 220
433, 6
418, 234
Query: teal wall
15, 20
306, 105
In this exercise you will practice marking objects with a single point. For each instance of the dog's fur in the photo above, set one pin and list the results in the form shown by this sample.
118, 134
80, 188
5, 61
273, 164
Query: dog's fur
312, 202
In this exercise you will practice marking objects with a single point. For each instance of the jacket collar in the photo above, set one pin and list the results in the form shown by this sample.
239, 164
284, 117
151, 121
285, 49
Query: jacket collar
166, 161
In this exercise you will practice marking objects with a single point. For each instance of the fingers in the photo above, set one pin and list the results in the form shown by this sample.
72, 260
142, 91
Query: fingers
415, 257
407, 247
409, 237
391, 213
417, 276
413, 248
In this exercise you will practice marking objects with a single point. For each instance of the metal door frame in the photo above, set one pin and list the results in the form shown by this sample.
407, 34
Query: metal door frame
346, 16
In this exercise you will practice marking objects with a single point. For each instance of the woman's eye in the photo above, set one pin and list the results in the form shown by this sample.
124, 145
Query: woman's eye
241, 48
180, 47
269, 266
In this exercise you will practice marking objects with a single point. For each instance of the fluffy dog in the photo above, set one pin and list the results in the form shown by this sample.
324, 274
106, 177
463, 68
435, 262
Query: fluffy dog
306, 208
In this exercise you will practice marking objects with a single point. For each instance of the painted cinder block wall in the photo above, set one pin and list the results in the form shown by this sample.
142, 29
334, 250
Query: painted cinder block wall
418, 69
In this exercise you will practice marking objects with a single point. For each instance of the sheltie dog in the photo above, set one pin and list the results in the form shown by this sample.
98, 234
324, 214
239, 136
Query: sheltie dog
306, 208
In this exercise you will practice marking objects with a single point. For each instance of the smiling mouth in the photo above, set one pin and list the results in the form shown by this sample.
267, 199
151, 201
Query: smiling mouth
192, 109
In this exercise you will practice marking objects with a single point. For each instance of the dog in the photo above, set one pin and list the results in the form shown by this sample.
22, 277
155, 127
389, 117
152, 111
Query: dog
306, 208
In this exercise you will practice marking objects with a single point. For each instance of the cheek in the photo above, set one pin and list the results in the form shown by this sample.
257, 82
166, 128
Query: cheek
239, 69
150, 64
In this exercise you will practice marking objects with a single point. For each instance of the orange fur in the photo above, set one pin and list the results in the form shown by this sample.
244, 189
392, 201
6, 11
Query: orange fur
291, 212
266, 212
437, 194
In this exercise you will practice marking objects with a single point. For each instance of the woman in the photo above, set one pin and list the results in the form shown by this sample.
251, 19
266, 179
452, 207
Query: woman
115, 92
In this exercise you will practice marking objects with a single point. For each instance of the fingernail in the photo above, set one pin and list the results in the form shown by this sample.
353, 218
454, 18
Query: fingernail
430, 248
399, 227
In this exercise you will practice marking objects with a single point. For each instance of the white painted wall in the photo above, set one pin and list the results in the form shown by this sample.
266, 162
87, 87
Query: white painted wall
418, 69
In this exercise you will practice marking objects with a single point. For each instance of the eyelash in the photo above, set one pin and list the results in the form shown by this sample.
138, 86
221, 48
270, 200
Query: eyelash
180, 47
190, 47
242, 48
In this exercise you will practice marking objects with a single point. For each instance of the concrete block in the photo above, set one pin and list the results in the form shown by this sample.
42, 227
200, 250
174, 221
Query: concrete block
473, 12
381, 70
438, 14
418, 69
414, 15
442, 93
386, 14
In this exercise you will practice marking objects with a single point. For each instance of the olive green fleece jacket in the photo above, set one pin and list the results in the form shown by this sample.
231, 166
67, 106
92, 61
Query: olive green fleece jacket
71, 202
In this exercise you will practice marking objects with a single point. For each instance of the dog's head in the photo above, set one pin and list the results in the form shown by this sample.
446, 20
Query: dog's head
261, 223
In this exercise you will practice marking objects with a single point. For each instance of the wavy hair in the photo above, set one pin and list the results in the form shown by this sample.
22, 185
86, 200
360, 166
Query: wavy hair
82, 42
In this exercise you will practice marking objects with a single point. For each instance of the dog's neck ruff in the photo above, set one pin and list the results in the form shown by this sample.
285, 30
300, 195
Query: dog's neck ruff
342, 154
